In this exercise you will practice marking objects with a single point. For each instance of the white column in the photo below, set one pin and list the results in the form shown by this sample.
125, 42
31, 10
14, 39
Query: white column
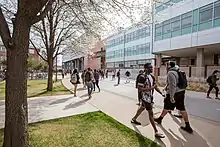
158, 60
200, 63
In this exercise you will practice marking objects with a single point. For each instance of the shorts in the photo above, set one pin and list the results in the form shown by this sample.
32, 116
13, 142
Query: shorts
146, 105
179, 98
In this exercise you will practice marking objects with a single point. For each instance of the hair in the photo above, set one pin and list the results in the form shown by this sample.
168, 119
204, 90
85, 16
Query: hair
215, 71
147, 65
172, 64
95, 70
89, 69
75, 71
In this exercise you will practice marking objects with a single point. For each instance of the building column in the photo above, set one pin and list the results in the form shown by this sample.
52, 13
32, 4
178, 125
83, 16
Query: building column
157, 66
200, 63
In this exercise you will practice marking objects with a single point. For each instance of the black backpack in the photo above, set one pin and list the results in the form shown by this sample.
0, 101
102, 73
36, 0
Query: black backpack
88, 76
182, 83
209, 80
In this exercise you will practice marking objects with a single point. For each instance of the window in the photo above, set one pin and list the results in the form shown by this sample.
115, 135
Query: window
195, 20
158, 32
186, 23
166, 29
175, 26
217, 9
147, 48
147, 31
217, 13
205, 13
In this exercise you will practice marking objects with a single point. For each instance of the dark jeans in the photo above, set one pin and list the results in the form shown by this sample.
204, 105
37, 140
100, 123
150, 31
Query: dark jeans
210, 89
90, 88
97, 84
118, 80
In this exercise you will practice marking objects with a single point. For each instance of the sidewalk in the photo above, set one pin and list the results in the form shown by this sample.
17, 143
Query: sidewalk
51, 107
122, 109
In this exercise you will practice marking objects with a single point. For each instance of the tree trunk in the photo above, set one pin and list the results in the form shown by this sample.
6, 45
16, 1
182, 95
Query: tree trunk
50, 75
16, 109
56, 69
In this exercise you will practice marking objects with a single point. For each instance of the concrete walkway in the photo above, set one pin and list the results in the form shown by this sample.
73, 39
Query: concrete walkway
122, 109
51, 107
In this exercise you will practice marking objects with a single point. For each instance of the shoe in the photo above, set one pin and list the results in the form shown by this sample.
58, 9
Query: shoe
217, 98
90, 97
208, 97
158, 120
99, 90
159, 135
187, 129
135, 122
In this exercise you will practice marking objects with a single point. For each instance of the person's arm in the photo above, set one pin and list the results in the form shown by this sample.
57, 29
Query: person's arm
158, 90
172, 80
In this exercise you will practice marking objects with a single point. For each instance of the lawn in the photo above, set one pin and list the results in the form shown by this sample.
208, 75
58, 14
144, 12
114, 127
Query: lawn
93, 129
38, 88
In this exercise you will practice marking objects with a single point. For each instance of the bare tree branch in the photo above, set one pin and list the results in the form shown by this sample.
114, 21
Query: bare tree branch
4, 30
37, 50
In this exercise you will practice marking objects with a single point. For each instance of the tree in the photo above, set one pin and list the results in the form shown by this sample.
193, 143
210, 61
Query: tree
16, 41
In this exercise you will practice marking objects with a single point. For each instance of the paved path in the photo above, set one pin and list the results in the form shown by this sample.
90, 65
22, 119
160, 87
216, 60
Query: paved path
51, 107
196, 102
122, 108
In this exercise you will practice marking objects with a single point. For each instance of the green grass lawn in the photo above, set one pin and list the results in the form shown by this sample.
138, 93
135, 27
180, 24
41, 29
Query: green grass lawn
38, 88
93, 129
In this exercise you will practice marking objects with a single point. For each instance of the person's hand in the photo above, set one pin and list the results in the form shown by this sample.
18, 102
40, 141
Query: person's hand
172, 100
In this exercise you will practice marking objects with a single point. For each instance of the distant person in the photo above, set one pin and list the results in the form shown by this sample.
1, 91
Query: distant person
106, 74
212, 81
127, 74
96, 77
75, 80
113, 75
89, 81
63, 74
119, 76
102, 74
141, 72
175, 95
83, 78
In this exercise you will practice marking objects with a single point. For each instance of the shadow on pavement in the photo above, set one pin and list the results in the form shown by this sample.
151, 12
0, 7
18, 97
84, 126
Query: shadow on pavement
84, 95
39, 94
76, 104
60, 101
81, 89
141, 138
188, 140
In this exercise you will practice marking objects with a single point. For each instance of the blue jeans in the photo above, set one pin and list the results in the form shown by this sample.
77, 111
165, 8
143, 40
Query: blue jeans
89, 87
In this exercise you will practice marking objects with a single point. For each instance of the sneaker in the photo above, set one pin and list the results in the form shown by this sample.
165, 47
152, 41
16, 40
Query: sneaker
159, 135
217, 98
135, 122
187, 129
208, 97
90, 97
158, 120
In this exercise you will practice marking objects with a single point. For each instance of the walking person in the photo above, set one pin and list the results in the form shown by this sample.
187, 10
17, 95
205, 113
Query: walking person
141, 72
146, 84
106, 74
113, 75
75, 80
212, 81
175, 95
119, 76
96, 79
127, 74
89, 81
83, 78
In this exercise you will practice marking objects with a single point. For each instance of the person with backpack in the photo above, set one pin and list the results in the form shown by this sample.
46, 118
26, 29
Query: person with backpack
175, 95
146, 84
89, 81
118, 75
212, 81
96, 80
141, 72
127, 74
75, 80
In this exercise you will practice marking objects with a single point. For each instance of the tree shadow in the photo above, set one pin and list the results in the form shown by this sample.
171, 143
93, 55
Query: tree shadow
84, 95
76, 104
60, 101
81, 89
39, 94
141, 139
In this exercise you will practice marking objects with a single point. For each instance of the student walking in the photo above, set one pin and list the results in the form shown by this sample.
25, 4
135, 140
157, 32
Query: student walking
127, 74
75, 80
119, 76
141, 72
175, 95
146, 84
89, 81
212, 81
96, 80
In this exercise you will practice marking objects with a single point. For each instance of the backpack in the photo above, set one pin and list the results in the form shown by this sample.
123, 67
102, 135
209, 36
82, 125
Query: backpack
88, 76
73, 78
182, 83
209, 80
